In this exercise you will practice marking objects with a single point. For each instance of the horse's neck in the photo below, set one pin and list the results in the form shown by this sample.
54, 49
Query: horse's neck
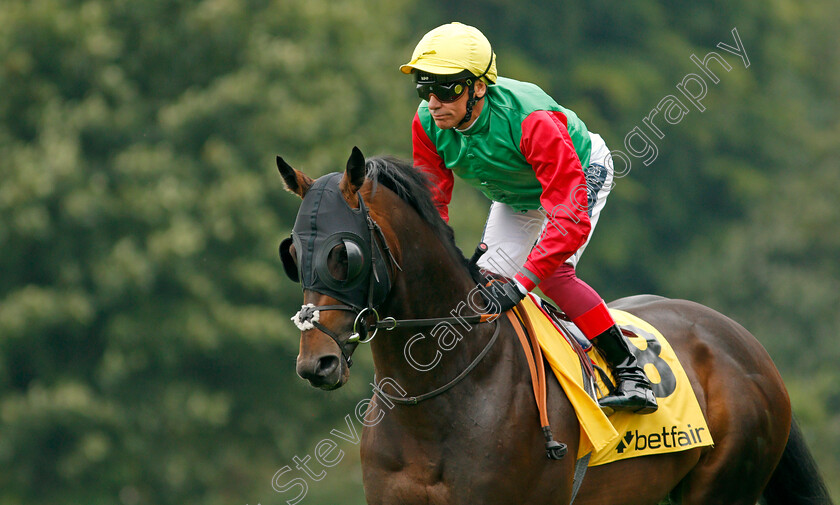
422, 359
416, 362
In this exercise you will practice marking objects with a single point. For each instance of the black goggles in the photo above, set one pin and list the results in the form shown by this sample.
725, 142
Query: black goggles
445, 92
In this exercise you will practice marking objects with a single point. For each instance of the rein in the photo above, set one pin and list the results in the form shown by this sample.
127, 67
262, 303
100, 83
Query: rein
533, 353
309, 314
389, 323
414, 400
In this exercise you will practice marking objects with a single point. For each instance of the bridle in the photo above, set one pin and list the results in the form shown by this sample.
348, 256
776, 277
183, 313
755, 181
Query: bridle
368, 254
382, 267
362, 333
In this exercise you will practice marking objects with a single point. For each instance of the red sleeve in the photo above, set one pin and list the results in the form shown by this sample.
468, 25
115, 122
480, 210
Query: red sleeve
427, 159
547, 146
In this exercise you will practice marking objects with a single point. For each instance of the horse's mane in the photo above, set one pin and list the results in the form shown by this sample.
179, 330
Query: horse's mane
414, 188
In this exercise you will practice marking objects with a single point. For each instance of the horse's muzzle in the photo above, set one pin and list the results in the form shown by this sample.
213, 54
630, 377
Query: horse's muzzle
324, 372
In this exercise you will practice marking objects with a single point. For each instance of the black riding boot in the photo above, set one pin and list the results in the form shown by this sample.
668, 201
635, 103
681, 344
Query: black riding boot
633, 390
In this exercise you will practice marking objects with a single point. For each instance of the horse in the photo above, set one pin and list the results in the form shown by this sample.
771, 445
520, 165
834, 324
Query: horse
469, 432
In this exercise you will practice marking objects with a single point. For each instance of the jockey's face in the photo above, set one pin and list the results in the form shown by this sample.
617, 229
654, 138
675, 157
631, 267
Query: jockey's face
448, 114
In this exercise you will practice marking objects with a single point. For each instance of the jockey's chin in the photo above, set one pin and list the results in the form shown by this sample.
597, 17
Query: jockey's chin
445, 121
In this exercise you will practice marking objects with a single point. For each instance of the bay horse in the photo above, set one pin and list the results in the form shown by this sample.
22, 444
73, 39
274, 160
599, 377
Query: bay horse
479, 441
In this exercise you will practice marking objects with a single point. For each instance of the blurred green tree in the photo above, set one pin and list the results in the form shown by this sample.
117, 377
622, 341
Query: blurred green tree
145, 350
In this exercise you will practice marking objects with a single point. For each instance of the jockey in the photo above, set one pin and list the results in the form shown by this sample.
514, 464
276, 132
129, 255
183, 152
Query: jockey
527, 154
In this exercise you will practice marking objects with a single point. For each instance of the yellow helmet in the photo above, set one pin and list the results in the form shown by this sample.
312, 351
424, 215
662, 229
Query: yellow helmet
451, 49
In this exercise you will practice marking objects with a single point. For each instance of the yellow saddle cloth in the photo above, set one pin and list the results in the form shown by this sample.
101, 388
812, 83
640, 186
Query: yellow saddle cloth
677, 425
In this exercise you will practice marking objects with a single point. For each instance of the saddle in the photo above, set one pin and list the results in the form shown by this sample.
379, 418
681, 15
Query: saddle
581, 345
574, 337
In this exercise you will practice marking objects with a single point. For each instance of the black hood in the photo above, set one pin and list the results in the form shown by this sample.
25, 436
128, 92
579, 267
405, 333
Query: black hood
324, 222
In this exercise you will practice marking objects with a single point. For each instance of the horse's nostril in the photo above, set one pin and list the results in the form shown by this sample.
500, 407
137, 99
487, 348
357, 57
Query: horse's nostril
324, 372
326, 365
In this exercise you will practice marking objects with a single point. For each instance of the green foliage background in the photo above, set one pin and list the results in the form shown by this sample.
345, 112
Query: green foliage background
146, 355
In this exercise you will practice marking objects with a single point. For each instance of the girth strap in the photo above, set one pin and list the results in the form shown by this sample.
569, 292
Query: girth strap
540, 394
533, 354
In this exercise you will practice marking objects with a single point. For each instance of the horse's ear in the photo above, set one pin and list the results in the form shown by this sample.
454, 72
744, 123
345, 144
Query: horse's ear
354, 176
296, 181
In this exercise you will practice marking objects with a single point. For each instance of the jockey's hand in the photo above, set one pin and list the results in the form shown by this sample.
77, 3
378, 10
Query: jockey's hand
503, 296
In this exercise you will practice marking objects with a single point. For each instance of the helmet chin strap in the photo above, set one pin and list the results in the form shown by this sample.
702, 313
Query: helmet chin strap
471, 91
471, 101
